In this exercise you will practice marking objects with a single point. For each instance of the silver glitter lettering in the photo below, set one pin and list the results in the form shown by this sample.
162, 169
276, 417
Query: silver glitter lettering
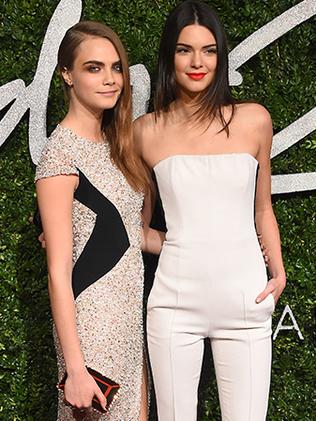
140, 81
294, 326
266, 35
34, 96
296, 131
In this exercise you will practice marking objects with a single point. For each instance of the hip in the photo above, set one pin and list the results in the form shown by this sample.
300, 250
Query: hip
203, 274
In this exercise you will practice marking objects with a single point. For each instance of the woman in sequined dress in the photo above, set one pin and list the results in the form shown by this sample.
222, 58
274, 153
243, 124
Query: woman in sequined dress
90, 186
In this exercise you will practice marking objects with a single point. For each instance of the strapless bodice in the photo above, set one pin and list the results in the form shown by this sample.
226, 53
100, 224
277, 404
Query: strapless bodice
208, 198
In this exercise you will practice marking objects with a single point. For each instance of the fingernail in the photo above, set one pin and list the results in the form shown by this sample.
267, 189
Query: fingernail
258, 300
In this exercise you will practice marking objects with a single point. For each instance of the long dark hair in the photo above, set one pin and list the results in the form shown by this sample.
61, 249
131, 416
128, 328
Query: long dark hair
218, 93
117, 122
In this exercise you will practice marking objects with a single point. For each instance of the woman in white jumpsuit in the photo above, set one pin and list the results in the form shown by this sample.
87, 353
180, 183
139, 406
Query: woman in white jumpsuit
211, 158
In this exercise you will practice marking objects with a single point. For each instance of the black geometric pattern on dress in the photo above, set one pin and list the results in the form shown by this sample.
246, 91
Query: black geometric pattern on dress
107, 243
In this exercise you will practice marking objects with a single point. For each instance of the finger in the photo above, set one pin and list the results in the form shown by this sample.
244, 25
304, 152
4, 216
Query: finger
67, 403
41, 239
263, 248
84, 406
263, 295
101, 398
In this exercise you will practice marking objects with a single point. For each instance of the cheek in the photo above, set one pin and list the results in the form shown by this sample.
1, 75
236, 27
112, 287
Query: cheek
86, 82
119, 80
212, 63
180, 64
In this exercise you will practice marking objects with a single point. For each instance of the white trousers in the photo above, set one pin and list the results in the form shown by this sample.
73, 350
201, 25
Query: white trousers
181, 313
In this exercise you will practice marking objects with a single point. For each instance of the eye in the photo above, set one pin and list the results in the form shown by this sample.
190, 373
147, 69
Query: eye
182, 50
93, 69
117, 67
211, 50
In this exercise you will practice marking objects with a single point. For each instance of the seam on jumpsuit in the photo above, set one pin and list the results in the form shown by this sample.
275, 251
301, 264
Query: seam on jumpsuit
250, 357
171, 339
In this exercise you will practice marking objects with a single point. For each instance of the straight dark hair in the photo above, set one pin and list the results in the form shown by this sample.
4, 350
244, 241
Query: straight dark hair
218, 93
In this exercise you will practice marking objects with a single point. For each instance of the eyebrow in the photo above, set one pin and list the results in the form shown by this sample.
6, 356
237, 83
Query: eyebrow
100, 63
190, 46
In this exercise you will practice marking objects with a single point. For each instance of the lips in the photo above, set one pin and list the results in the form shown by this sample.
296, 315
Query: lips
196, 76
108, 93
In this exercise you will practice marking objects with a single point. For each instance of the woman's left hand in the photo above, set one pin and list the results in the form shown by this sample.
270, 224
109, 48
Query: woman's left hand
275, 286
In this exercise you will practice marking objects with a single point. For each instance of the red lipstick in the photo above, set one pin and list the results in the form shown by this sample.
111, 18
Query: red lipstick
196, 76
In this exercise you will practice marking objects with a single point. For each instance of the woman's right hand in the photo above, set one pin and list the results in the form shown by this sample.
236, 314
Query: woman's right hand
80, 388
152, 240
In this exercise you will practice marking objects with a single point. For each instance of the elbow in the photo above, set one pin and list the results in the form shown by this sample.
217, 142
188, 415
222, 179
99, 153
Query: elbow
58, 276
264, 214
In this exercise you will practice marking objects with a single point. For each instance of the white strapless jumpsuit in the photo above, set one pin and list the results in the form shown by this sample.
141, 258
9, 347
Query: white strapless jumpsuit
209, 274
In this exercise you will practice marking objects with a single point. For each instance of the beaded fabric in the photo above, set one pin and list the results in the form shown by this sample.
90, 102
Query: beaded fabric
109, 311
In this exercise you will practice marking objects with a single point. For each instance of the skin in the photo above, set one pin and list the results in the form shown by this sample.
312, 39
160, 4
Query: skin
95, 83
175, 132
194, 51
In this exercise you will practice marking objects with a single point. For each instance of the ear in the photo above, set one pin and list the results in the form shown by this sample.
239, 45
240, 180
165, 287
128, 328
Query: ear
66, 75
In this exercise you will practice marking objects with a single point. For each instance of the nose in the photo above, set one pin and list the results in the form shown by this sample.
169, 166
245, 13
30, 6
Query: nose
196, 60
108, 77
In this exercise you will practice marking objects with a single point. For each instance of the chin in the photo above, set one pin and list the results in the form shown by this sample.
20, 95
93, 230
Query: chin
194, 90
195, 87
109, 103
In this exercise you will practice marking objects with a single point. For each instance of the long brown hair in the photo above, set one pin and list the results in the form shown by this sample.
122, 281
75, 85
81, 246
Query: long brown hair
218, 94
117, 122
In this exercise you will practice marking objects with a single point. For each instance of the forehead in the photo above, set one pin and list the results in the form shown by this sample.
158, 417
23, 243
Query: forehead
96, 49
196, 34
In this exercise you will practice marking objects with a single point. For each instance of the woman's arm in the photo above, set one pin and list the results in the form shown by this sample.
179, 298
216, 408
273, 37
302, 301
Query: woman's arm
266, 223
55, 199
152, 239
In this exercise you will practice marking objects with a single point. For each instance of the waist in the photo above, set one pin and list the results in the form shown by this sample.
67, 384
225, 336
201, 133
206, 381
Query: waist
195, 237
185, 259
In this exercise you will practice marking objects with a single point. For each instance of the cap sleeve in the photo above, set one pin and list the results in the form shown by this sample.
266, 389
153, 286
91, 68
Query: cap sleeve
57, 158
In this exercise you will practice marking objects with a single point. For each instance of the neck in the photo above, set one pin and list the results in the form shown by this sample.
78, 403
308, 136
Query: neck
85, 122
184, 108
187, 102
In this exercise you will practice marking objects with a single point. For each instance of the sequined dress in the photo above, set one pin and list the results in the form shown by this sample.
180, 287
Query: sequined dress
107, 275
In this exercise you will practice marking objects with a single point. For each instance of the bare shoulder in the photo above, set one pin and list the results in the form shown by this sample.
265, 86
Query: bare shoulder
144, 123
145, 130
256, 116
